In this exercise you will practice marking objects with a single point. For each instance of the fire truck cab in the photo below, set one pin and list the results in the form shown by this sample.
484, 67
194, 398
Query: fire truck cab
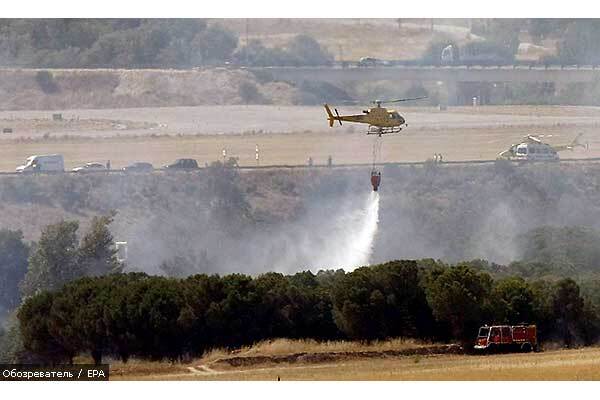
495, 338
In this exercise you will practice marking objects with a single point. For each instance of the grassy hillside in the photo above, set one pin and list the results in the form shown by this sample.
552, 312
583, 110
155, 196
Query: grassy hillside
26, 90
351, 39
287, 220
578, 364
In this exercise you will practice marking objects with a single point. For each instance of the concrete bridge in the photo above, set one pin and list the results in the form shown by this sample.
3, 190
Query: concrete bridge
516, 73
457, 79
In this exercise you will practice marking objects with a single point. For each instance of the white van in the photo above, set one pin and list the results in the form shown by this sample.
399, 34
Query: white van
47, 163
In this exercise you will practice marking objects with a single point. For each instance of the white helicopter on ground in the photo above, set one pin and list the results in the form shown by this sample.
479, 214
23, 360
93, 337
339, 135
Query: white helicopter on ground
533, 149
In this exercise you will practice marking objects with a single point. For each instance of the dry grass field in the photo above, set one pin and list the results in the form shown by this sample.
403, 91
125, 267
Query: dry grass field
575, 364
351, 39
285, 135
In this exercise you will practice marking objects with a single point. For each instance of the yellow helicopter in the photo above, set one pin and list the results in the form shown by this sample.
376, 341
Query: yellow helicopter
381, 120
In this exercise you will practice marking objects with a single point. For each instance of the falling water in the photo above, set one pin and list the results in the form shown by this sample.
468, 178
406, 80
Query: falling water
350, 243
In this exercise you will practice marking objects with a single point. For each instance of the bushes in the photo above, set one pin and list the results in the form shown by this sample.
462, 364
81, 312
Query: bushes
46, 82
249, 93
459, 297
300, 50
157, 317
487, 52
380, 302
13, 266
152, 317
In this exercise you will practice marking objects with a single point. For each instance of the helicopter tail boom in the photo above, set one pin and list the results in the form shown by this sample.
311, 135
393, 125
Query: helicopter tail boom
576, 142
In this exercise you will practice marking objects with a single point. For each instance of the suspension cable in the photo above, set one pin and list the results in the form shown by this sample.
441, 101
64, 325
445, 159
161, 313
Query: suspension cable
376, 151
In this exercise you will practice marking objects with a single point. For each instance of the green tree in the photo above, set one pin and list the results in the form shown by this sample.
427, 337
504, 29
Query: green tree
249, 93
157, 317
512, 301
231, 321
121, 296
433, 53
214, 45
562, 250
229, 201
307, 51
54, 260
300, 50
542, 306
458, 296
542, 28
312, 307
46, 82
13, 266
201, 292
11, 344
568, 309
579, 44
97, 252
76, 317
35, 327
381, 301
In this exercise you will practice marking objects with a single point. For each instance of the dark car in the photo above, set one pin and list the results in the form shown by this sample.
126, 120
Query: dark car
183, 163
139, 167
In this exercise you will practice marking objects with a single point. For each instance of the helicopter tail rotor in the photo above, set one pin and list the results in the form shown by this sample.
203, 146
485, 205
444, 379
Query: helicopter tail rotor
338, 116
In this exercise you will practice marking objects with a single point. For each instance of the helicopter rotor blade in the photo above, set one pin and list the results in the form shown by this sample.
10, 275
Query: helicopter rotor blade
338, 115
398, 100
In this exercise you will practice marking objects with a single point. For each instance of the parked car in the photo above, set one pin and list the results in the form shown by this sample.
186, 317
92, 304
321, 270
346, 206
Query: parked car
45, 163
139, 167
182, 163
90, 167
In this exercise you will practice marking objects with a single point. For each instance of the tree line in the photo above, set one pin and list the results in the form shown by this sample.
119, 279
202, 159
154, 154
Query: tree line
153, 317
77, 299
576, 41
168, 43
57, 258
141, 43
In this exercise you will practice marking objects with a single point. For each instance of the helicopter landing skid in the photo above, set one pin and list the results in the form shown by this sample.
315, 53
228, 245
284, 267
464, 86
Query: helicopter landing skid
379, 130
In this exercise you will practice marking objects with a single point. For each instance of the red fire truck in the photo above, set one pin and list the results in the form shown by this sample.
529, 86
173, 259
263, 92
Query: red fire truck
496, 338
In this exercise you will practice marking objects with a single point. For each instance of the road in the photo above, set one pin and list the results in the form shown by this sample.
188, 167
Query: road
448, 74
285, 135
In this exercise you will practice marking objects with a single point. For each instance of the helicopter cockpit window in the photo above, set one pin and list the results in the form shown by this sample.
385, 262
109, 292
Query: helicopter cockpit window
522, 150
